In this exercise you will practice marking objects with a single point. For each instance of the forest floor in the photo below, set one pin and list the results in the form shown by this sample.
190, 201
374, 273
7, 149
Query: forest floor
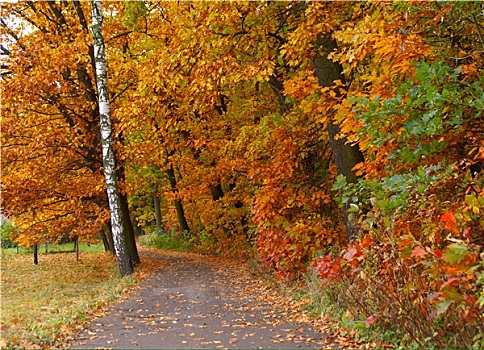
193, 301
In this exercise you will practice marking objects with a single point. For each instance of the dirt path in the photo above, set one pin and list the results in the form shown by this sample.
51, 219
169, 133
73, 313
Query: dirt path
197, 302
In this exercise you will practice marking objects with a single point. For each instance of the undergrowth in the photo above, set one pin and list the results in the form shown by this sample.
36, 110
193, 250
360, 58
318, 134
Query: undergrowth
180, 242
329, 302
390, 300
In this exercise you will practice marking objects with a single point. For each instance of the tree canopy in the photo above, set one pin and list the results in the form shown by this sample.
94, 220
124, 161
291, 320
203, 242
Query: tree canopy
287, 127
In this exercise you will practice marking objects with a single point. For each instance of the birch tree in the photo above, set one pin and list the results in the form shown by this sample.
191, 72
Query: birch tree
109, 163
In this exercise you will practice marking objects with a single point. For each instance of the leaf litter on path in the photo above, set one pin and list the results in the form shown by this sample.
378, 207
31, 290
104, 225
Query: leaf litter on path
196, 301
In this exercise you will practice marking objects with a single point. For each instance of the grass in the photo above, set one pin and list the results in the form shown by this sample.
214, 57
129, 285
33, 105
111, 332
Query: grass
55, 248
168, 241
41, 304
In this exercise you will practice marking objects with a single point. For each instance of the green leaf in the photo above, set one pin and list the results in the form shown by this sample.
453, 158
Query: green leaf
360, 325
277, 119
387, 222
455, 252
442, 306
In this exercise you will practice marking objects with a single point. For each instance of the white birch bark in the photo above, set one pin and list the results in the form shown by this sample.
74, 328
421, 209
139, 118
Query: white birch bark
109, 162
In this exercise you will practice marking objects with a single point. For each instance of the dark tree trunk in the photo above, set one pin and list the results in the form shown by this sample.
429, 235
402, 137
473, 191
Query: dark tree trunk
157, 207
180, 212
138, 228
108, 234
36, 254
217, 191
139, 231
129, 231
278, 90
128, 224
102, 234
346, 156
76, 247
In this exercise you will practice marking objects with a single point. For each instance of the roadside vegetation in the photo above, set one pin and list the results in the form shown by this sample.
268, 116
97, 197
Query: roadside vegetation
173, 240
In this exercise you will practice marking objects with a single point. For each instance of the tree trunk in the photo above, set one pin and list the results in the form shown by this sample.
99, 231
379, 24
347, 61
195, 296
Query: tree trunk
129, 231
36, 254
104, 238
156, 204
180, 212
116, 213
278, 90
109, 236
76, 245
346, 156
139, 231
217, 192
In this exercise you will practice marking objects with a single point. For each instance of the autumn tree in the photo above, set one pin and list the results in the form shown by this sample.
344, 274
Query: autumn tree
50, 157
51, 138
214, 119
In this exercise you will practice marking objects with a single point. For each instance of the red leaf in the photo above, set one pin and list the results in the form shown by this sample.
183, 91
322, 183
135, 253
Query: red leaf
470, 299
418, 251
438, 253
366, 241
350, 253
450, 221
448, 217
371, 321
449, 282
467, 233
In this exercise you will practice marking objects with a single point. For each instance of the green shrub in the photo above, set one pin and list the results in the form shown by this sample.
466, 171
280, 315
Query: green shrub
7, 229
167, 240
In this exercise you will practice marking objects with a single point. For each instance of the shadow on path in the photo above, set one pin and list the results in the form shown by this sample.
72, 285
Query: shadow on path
196, 302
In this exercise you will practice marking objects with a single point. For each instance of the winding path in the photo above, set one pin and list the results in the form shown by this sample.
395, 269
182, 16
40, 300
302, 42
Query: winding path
197, 302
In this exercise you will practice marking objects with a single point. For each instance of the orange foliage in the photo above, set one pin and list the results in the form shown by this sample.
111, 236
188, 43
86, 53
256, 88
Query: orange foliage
226, 96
